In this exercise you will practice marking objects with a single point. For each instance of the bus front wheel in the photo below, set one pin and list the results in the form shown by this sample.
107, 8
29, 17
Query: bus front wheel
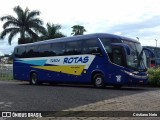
34, 79
98, 81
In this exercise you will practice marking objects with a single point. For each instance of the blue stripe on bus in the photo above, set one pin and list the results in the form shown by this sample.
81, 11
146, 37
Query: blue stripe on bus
34, 62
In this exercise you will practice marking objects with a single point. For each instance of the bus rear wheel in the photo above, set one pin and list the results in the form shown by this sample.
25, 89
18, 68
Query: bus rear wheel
34, 79
98, 81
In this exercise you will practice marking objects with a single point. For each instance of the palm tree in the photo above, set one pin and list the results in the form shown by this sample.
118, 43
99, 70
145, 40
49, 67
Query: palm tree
78, 30
52, 31
26, 23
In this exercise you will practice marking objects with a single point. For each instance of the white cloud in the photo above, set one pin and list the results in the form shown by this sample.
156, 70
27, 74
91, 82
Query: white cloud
118, 33
1, 53
5, 48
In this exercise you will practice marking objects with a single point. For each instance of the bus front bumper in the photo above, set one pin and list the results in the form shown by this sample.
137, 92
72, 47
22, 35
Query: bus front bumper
136, 78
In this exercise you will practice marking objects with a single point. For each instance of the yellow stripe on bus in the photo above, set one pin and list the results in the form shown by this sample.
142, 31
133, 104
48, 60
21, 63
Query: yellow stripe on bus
74, 70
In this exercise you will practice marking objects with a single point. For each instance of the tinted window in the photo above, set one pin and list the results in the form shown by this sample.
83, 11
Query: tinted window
115, 40
91, 47
57, 49
73, 48
44, 50
107, 44
29, 51
117, 56
19, 52
16, 52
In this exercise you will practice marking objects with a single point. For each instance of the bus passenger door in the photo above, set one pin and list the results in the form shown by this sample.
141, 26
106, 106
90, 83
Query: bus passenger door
118, 59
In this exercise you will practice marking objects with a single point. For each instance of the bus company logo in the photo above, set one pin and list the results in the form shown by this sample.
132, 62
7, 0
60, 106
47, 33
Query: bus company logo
118, 78
69, 60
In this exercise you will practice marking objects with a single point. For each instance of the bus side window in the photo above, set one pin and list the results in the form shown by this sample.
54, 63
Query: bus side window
107, 45
36, 51
20, 52
53, 49
27, 52
91, 47
118, 56
44, 50
16, 52
30, 51
73, 48
58, 49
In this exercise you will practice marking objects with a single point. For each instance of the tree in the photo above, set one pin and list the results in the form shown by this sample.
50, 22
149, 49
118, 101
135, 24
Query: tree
27, 24
52, 31
78, 30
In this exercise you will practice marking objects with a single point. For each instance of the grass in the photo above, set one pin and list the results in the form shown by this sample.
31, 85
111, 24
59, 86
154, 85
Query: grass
154, 77
6, 78
6, 74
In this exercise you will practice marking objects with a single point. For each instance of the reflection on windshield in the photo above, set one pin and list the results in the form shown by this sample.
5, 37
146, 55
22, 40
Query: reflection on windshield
136, 59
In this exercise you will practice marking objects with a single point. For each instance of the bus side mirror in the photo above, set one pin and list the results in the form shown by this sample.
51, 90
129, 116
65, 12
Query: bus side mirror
126, 47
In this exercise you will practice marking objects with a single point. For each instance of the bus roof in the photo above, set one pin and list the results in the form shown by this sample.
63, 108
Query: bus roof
78, 37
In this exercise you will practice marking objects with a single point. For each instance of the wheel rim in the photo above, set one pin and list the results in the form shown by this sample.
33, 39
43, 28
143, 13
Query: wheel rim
34, 79
99, 81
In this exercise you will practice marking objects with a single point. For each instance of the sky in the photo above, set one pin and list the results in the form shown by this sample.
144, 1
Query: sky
130, 18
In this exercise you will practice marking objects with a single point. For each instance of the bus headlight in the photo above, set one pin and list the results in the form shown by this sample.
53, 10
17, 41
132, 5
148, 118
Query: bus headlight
129, 73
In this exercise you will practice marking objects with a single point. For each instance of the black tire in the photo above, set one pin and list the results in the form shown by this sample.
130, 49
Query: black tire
98, 81
34, 79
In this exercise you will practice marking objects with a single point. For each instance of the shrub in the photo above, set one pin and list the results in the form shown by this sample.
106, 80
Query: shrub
154, 77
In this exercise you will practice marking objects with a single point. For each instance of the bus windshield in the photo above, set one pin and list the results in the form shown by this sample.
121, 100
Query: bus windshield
136, 59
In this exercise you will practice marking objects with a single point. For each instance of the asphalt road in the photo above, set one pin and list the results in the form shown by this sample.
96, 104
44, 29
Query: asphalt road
20, 96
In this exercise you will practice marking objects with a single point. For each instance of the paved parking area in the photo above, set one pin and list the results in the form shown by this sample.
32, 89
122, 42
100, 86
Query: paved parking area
147, 101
